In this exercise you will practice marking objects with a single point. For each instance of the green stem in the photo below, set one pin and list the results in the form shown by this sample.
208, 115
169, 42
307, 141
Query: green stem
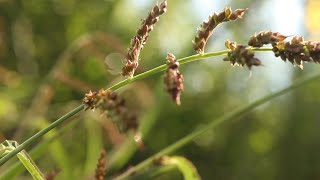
15, 169
151, 72
229, 116
35, 137
182, 61
7, 146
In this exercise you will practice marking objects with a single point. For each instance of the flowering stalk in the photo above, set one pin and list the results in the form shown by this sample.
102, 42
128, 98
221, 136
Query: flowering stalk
117, 86
295, 51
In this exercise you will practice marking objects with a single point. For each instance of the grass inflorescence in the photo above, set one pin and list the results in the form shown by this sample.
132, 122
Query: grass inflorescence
297, 51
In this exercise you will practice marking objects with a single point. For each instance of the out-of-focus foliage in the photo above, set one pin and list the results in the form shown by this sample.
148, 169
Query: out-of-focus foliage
52, 52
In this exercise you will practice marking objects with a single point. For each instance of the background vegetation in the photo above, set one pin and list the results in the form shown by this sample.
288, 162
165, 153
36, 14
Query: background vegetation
52, 52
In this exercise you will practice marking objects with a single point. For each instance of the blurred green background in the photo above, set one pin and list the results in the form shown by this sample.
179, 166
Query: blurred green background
52, 52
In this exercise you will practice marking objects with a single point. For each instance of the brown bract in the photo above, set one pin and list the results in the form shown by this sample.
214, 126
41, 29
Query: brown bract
265, 37
298, 51
139, 40
240, 55
113, 106
206, 29
173, 79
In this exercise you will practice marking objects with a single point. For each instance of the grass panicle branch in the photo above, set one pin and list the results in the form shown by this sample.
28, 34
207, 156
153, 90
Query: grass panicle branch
298, 51
205, 30
141, 37
295, 51
117, 86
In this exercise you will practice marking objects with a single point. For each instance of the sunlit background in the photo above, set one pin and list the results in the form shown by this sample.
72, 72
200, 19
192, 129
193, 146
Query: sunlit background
54, 51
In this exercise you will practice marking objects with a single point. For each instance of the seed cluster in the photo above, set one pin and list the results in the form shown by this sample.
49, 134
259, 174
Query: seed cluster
101, 166
265, 37
240, 55
207, 27
173, 79
295, 51
114, 106
139, 40
298, 51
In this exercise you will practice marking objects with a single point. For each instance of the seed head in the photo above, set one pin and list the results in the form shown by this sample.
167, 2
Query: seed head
240, 55
298, 51
113, 106
207, 27
265, 37
140, 39
101, 166
173, 79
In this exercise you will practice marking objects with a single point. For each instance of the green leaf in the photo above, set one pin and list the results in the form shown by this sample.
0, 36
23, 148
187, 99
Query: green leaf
185, 166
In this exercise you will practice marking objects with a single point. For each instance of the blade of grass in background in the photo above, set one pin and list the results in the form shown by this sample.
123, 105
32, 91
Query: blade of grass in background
8, 146
17, 168
213, 124
187, 169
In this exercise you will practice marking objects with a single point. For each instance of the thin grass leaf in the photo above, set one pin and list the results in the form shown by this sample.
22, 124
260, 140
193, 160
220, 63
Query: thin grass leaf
8, 146
187, 169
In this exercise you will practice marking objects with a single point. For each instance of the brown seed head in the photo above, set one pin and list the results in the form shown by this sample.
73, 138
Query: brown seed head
265, 37
90, 100
141, 37
114, 106
101, 166
298, 51
240, 55
173, 79
206, 29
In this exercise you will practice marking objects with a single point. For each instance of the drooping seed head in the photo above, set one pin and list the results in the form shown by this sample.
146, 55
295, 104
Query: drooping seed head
205, 30
113, 106
240, 55
173, 79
